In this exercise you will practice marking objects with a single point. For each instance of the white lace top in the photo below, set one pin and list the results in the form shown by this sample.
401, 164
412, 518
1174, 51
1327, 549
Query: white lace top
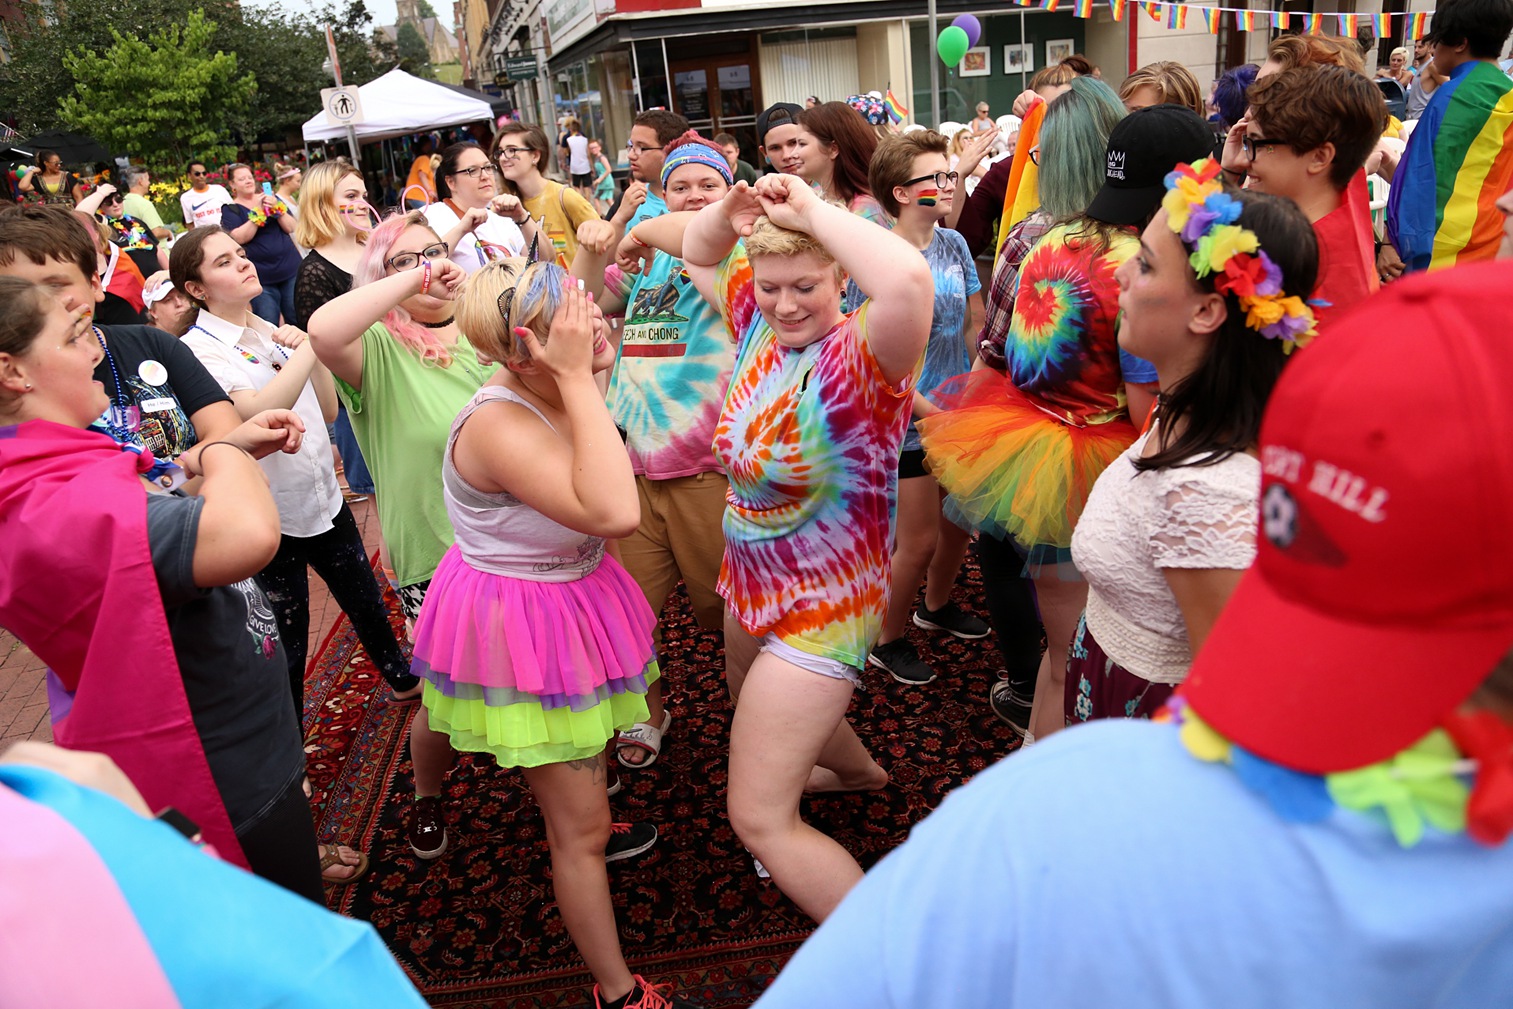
1135, 524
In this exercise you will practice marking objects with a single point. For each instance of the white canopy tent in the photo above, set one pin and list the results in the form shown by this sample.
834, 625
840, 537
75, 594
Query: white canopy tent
397, 104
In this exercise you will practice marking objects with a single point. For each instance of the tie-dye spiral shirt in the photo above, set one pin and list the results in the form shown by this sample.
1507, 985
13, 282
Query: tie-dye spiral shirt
809, 438
1061, 348
675, 363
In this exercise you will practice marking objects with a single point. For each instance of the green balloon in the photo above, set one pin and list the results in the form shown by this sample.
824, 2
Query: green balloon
952, 45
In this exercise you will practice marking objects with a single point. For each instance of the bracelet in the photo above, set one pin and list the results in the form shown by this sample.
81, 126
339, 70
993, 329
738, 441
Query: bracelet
205, 447
637, 241
425, 276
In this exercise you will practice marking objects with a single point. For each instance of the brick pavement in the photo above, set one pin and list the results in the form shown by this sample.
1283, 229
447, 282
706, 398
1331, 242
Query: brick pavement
23, 690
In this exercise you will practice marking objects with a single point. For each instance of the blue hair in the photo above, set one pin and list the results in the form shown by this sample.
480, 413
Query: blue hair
1229, 94
1074, 146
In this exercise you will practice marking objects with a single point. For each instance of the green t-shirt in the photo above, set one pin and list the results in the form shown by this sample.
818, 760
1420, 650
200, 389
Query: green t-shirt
402, 418
138, 206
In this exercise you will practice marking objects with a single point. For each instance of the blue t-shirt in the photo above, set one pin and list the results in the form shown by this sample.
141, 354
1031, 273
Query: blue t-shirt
271, 250
946, 354
1108, 867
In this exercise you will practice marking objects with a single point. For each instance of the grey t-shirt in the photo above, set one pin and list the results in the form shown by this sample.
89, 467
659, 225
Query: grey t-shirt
235, 675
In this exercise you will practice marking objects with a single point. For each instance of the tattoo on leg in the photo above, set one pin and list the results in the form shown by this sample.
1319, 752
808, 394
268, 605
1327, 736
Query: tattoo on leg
593, 764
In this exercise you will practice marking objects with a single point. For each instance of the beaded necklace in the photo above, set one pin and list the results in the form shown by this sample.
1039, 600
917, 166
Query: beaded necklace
247, 354
122, 419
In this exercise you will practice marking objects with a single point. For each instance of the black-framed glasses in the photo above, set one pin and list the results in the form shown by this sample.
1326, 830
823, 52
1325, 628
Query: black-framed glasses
941, 179
471, 173
1252, 145
632, 147
511, 153
1035, 155
410, 260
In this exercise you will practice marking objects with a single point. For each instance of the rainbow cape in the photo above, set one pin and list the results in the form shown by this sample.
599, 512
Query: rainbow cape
1022, 195
1459, 161
117, 910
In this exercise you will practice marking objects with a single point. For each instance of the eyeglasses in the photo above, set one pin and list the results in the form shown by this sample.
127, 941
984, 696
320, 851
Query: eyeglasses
410, 260
941, 179
471, 173
1035, 155
633, 147
511, 153
1252, 145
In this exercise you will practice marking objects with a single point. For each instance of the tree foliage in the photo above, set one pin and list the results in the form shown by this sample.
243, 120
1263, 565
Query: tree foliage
283, 51
425, 9
165, 98
414, 56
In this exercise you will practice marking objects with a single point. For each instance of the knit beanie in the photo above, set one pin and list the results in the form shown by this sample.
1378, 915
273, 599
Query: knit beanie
693, 149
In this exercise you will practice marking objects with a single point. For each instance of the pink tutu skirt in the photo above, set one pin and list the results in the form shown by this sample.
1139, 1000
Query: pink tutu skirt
534, 672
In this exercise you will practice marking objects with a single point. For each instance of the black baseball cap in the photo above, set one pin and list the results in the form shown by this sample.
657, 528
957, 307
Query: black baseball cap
781, 114
1145, 146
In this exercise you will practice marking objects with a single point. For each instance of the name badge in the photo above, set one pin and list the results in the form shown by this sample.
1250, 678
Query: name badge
152, 372
162, 404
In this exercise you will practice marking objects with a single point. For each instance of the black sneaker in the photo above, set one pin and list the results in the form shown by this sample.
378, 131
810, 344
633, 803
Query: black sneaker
1011, 706
953, 620
626, 840
902, 662
425, 828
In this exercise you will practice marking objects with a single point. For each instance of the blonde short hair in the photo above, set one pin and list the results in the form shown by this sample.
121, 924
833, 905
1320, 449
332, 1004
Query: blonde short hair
320, 222
1173, 82
767, 239
538, 289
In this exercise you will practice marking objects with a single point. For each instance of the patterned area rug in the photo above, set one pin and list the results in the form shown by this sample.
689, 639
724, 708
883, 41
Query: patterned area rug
478, 927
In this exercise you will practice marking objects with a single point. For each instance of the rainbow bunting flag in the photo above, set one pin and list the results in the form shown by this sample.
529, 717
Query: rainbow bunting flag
1245, 21
1176, 15
1384, 25
1315, 24
1153, 9
1281, 20
1116, 8
1442, 210
1349, 23
1084, 8
1211, 17
894, 108
1420, 22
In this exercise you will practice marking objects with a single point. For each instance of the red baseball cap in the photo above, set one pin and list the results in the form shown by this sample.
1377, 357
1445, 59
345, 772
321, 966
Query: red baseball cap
1382, 592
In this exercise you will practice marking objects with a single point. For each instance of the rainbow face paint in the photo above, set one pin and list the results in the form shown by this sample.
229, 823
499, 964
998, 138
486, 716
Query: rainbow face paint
928, 197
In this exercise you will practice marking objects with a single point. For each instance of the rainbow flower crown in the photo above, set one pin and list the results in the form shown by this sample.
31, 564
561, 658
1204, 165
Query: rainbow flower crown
1203, 215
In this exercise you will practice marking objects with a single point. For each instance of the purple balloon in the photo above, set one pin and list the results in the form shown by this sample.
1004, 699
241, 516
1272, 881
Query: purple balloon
971, 26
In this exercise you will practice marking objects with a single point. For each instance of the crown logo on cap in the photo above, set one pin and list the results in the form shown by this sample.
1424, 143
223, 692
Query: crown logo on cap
1116, 165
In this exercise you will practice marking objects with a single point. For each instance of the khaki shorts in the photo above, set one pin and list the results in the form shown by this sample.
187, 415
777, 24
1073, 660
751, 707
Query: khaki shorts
681, 537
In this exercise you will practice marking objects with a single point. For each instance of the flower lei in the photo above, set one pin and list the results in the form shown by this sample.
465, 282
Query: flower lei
258, 217
1203, 215
1421, 785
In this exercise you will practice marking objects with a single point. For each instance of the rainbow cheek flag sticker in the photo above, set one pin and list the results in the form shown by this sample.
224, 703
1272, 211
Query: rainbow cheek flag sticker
1442, 211
928, 197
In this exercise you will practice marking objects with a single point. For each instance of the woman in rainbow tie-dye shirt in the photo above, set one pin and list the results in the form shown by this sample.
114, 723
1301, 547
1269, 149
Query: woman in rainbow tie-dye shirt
809, 436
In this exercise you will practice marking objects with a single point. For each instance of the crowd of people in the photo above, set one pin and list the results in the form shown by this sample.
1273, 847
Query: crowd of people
1210, 404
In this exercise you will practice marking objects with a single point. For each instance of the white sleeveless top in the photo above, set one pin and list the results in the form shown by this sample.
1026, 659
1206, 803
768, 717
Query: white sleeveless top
1135, 524
498, 534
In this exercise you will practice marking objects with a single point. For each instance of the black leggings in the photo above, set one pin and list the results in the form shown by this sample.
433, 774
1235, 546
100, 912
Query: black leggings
281, 846
1012, 610
338, 556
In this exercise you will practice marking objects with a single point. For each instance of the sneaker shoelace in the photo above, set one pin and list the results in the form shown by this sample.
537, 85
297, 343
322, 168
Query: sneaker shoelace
651, 995
619, 828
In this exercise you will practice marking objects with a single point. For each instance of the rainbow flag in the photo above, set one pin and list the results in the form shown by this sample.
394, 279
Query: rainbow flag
1459, 161
1384, 25
1349, 23
1281, 20
1084, 8
1176, 16
895, 109
1049, 5
1153, 9
1315, 24
1419, 23
1116, 8
1211, 17
1245, 21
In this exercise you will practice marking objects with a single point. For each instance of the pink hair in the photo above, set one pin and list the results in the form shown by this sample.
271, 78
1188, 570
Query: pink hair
414, 337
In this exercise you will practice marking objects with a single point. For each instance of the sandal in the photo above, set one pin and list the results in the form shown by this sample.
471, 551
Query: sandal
643, 736
330, 858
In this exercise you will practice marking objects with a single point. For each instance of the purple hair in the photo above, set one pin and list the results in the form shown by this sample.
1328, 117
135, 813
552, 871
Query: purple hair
1229, 94
416, 338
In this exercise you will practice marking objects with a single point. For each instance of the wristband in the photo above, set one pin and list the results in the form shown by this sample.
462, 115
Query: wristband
425, 276
637, 241
200, 459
